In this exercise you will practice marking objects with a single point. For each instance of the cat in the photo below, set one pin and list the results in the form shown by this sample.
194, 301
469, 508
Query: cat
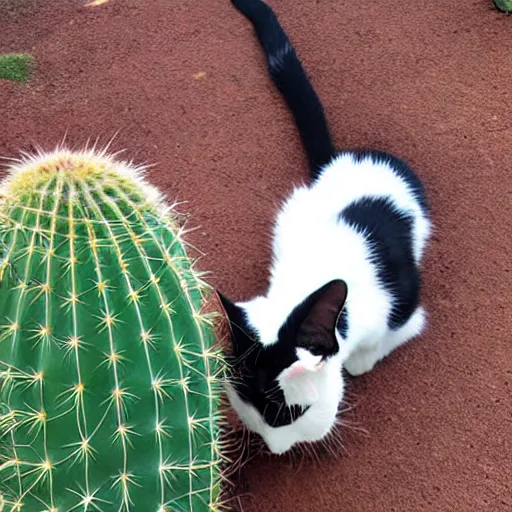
345, 281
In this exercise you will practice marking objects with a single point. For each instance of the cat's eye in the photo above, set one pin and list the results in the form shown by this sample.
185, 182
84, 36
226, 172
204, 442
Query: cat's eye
315, 350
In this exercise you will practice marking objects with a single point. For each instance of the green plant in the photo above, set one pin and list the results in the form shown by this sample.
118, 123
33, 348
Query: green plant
111, 381
503, 6
15, 66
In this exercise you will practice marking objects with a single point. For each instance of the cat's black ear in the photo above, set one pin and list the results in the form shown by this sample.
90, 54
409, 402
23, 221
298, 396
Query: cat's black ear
231, 309
317, 329
242, 338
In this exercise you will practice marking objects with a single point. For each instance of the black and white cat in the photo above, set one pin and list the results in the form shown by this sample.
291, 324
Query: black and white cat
345, 283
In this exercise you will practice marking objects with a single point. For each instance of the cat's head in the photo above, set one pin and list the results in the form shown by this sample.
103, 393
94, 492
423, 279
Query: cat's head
286, 380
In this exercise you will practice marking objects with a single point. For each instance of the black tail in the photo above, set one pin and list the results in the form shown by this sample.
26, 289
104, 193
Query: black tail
290, 78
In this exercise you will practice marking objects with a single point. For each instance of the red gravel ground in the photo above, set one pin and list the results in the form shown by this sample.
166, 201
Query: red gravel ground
185, 84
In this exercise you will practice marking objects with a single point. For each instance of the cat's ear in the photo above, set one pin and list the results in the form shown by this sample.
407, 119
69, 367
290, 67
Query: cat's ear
242, 340
316, 332
230, 308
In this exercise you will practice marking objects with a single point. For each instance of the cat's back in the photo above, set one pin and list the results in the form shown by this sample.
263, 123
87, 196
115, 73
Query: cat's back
323, 230
347, 179
354, 175
365, 221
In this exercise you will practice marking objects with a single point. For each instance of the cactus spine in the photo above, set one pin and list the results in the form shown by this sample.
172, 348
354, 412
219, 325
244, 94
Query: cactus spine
110, 381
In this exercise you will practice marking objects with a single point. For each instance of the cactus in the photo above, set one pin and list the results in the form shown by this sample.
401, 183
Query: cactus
503, 6
110, 378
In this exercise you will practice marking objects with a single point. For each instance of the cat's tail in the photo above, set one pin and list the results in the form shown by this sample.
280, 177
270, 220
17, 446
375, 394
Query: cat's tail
290, 78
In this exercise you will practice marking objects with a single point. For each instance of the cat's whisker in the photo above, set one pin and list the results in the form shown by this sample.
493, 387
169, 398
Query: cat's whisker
337, 442
236, 361
270, 393
334, 443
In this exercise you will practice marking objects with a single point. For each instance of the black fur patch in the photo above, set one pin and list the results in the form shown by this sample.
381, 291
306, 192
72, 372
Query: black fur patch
389, 233
400, 167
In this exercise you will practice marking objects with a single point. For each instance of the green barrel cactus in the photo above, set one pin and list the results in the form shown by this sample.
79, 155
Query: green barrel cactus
110, 377
504, 6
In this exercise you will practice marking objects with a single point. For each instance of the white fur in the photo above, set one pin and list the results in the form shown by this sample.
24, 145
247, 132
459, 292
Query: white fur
312, 247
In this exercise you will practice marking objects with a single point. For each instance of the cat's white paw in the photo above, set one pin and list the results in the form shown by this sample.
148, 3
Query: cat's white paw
362, 361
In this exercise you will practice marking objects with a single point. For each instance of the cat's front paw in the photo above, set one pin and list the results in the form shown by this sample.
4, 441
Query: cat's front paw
361, 361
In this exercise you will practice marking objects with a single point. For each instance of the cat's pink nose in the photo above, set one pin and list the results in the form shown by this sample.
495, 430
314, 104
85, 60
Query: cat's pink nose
296, 370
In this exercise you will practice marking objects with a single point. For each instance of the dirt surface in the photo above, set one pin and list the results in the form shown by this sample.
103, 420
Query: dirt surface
184, 83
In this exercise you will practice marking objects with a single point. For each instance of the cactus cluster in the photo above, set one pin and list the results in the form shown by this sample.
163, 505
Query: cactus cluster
110, 378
